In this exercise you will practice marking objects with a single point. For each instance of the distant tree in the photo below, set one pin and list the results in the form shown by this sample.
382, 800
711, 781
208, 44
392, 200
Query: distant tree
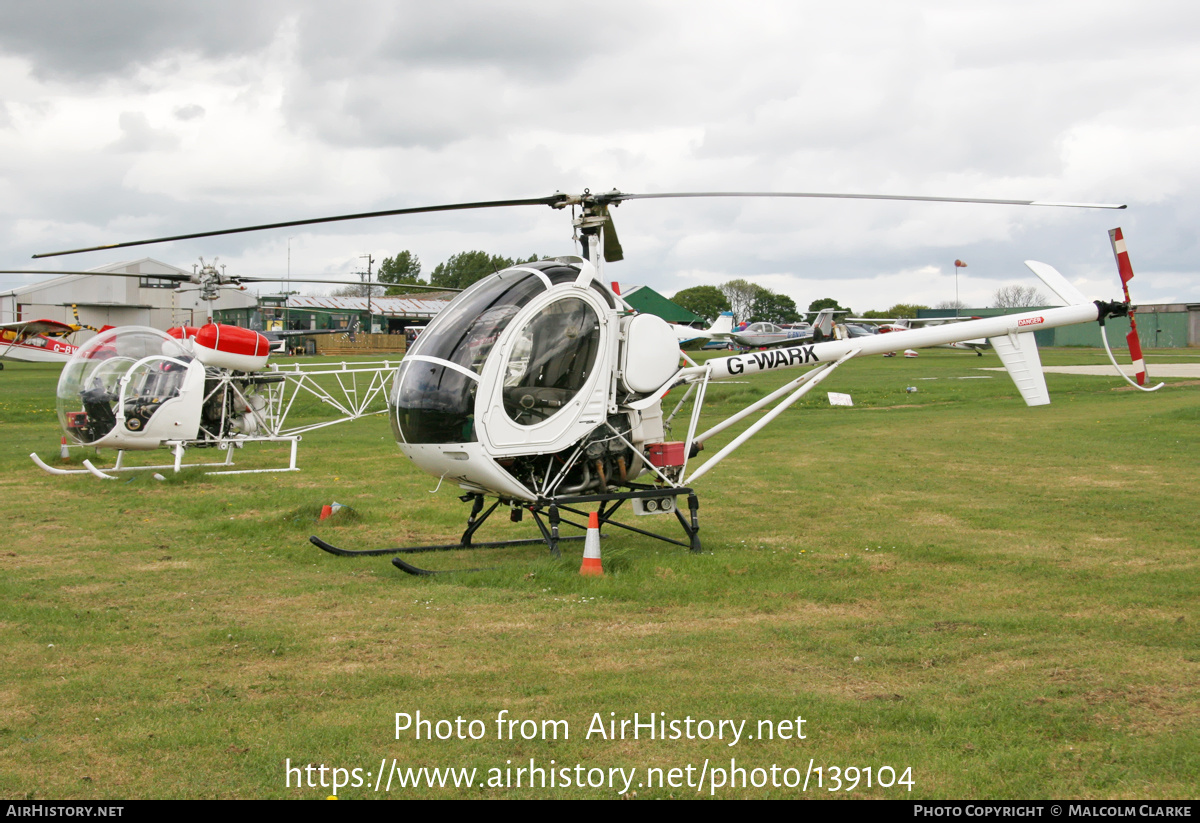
1010, 297
402, 269
951, 304
706, 301
772, 307
358, 290
464, 268
741, 295
827, 303
751, 303
905, 310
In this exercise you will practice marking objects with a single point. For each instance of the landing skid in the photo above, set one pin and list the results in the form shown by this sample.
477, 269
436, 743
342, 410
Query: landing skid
549, 508
178, 448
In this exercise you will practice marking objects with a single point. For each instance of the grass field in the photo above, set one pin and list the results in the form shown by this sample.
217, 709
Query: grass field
1000, 600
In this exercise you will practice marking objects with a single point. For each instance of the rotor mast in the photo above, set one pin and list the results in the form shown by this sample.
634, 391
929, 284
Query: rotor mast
590, 225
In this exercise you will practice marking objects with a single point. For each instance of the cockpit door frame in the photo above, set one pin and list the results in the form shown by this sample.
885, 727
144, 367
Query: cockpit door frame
583, 412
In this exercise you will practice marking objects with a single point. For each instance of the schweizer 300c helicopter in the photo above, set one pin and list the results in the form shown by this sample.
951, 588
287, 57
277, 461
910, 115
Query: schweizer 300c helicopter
540, 387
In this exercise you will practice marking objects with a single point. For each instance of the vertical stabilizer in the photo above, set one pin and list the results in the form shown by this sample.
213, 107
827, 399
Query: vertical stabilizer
724, 323
1057, 283
1019, 354
823, 325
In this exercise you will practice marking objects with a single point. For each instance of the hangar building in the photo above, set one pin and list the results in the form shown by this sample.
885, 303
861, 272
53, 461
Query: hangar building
117, 301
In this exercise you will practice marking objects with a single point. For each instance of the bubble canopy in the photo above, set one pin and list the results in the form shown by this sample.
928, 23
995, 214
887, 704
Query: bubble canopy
434, 392
115, 362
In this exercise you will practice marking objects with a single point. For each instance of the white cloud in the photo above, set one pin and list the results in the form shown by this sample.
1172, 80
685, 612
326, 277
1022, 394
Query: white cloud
272, 112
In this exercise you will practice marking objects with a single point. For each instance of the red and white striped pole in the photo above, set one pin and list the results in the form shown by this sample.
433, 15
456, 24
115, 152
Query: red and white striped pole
958, 264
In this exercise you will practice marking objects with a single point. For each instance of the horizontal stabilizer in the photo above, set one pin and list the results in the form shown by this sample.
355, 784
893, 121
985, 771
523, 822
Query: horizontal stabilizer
1057, 283
1019, 353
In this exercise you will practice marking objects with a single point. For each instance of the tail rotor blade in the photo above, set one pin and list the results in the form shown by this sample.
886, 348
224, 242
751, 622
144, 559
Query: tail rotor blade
1125, 270
1135, 352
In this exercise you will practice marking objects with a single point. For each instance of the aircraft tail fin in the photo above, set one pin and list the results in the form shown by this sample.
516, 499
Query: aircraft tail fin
724, 323
1057, 283
1019, 353
824, 321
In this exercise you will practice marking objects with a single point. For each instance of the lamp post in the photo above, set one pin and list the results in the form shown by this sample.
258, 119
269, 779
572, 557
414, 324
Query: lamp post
370, 260
287, 292
958, 264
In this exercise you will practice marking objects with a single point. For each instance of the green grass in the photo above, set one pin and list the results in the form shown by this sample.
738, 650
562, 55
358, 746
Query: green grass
1001, 598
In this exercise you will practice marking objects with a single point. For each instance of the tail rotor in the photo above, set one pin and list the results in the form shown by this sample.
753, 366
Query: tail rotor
1125, 269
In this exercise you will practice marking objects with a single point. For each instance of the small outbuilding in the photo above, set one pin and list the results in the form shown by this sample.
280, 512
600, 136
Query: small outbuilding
647, 301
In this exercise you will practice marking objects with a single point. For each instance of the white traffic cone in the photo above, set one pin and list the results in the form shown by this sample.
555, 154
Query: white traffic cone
63, 453
591, 549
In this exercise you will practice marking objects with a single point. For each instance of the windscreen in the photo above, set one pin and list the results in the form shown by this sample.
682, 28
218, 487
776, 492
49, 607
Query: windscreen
90, 385
435, 403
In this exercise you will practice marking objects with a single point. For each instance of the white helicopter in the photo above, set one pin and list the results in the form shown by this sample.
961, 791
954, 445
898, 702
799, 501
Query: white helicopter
540, 387
134, 388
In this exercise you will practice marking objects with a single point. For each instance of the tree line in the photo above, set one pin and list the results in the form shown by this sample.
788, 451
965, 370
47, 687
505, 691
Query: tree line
753, 303
748, 301
458, 272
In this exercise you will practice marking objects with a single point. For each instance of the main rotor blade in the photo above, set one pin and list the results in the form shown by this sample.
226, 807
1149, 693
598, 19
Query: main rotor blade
619, 196
232, 279
379, 283
559, 200
486, 204
181, 278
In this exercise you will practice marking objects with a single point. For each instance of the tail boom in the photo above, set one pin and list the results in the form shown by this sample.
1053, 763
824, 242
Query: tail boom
989, 327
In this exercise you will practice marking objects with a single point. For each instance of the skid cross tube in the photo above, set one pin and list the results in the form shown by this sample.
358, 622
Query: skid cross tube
547, 515
474, 522
691, 526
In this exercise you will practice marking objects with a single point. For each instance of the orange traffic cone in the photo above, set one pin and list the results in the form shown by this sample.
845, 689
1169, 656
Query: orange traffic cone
326, 511
63, 453
591, 549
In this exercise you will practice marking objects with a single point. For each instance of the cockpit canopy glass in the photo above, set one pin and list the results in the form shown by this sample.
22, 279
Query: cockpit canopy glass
91, 383
465, 331
432, 402
764, 328
552, 359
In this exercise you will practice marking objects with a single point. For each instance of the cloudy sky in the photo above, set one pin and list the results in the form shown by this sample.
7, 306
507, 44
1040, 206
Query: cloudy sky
139, 118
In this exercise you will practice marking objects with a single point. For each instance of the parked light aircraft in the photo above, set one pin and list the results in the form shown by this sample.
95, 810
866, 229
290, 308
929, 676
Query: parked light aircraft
894, 324
539, 386
758, 335
764, 335
36, 341
691, 339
